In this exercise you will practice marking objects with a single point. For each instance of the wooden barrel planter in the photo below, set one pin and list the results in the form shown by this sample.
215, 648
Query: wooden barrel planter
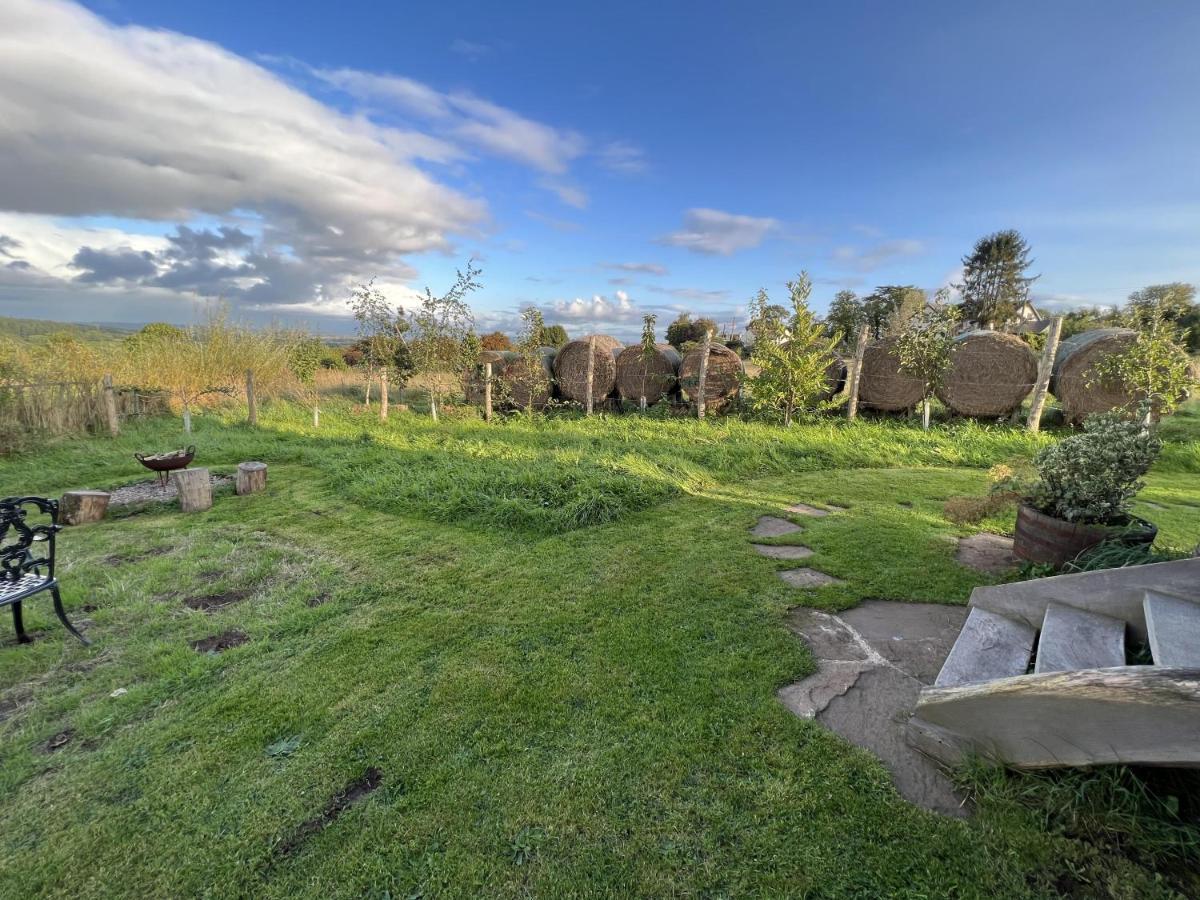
1044, 539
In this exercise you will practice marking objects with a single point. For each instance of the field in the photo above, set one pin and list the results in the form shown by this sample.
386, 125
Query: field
526, 658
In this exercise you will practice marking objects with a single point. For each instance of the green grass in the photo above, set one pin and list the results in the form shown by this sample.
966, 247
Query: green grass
551, 640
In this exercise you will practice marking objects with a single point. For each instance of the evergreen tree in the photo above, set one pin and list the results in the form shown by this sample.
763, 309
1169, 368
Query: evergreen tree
793, 352
553, 336
994, 282
845, 317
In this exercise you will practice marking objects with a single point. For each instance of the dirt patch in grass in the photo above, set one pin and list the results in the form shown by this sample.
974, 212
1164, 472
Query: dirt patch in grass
120, 559
352, 793
213, 602
59, 740
319, 599
218, 643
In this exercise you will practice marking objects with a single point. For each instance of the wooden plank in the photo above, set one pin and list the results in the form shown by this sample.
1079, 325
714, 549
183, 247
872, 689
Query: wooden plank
1073, 638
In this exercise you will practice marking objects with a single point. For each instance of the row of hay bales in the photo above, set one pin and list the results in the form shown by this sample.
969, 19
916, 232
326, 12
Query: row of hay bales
623, 372
991, 373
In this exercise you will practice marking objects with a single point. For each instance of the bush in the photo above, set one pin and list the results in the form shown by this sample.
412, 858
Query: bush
1093, 477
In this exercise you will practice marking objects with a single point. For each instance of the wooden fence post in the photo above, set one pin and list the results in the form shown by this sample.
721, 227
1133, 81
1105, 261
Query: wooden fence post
705, 348
110, 406
251, 404
855, 374
1045, 368
487, 392
383, 396
591, 371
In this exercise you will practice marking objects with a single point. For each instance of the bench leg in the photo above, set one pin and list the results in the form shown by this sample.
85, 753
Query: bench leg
62, 615
19, 626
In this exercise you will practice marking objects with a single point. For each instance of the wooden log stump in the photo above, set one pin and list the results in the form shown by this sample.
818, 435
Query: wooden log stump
251, 477
82, 507
195, 489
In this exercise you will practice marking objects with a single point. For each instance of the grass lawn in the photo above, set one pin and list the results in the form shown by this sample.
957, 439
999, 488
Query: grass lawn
509, 660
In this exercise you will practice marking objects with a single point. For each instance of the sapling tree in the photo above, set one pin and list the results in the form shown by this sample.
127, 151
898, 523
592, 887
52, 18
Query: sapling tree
441, 328
529, 346
924, 347
1154, 367
793, 352
381, 329
649, 352
305, 355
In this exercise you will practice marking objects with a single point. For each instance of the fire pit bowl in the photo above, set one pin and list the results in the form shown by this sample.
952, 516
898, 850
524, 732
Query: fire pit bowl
166, 463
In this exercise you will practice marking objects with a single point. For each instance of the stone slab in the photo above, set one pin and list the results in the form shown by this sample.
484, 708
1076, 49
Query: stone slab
988, 647
773, 526
988, 553
914, 637
1173, 627
808, 578
796, 551
1074, 639
828, 636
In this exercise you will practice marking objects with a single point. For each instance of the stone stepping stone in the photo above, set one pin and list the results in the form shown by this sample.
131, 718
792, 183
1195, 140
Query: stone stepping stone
808, 578
991, 554
773, 526
803, 509
791, 552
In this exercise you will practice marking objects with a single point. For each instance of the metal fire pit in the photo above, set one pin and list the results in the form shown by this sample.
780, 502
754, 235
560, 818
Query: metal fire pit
165, 463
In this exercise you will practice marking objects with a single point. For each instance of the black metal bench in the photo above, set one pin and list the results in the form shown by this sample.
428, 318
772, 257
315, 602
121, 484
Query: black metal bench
22, 573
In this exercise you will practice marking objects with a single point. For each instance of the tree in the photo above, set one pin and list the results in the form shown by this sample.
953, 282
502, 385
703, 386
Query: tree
1177, 302
994, 282
889, 308
305, 356
686, 330
529, 345
1155, 366
381, 330
845, 317
793, 353
553, 336
924, 347
443, 326
1076, 321
497, 340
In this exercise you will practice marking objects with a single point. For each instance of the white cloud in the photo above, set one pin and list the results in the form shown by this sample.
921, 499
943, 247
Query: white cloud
868, 259
470, 49
639, 267
623, 158
463, 116
697, 295
718, 233
597, 309
569, 194
105, 120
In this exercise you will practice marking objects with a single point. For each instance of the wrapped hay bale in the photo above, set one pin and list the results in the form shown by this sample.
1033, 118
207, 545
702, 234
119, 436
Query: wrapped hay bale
722, 380
1074, 382
516, 384
473, 380
990, 374
650, 375
571, 365
881, 384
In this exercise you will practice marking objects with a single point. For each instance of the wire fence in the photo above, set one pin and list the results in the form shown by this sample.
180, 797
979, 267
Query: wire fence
70, 407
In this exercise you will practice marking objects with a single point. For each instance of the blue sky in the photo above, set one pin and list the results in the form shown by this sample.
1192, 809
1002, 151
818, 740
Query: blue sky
602, 160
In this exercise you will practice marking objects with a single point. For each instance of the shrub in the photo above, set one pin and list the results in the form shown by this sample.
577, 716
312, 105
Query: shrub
1092, 477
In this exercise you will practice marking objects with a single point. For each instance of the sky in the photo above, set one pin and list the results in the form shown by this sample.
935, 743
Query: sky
599, 160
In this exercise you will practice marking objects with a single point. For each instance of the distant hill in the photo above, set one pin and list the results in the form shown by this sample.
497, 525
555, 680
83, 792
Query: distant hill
35, 331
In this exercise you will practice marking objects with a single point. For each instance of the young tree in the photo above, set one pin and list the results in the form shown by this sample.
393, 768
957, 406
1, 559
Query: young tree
793, 352
1155, 366
554, 336
442, 326
994, 282
846, 315
1178, 304
924, 347
381, 330
305, 356
529, 345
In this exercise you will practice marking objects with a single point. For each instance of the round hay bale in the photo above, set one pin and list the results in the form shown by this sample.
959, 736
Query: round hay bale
990, 374
881, 384
571, 364
835, 377
1074, 381
652, 375
722, 380
474, 376
518, 386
